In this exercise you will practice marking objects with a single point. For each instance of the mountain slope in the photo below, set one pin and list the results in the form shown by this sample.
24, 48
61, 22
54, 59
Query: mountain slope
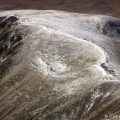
58, 65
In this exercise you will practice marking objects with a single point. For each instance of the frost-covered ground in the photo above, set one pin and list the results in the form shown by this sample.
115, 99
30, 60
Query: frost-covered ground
57, 65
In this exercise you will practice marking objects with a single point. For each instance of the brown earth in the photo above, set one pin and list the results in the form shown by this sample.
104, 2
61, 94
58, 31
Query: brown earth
106, 7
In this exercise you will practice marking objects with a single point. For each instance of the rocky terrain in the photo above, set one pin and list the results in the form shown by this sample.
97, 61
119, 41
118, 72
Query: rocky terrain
58, 65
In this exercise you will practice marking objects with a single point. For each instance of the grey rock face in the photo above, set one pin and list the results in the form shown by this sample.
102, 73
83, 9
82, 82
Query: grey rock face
59, 66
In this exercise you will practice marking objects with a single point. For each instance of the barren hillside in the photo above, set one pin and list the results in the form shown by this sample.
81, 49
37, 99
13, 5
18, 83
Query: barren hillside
58, 65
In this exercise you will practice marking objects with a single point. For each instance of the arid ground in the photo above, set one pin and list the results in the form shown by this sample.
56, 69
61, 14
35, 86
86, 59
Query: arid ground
106, 7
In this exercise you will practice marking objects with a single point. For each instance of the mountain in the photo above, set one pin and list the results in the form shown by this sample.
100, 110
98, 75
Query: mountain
57, 65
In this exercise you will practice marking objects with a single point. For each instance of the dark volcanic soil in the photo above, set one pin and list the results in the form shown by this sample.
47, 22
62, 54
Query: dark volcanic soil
107, 7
